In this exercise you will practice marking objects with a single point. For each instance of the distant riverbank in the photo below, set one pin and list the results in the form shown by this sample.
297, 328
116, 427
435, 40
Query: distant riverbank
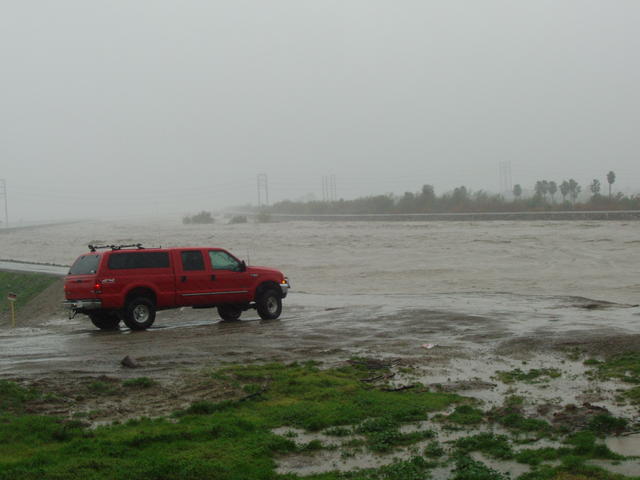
461, 217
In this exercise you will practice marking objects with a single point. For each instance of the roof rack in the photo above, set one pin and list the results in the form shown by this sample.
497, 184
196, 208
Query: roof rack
93, 248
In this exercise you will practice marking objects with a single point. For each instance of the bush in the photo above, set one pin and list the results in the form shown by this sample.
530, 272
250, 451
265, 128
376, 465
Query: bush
263, 217
199, 218
238, 219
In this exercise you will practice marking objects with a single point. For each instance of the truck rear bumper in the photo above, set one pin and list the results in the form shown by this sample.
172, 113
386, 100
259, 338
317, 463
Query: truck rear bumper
81, 305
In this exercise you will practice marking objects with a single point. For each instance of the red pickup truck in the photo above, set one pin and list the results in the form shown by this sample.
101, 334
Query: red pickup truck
130, 283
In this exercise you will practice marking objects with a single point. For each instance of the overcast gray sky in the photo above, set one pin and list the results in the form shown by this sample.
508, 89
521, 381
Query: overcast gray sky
154, 106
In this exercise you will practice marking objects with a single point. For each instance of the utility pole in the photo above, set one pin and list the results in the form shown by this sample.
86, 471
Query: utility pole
324, 189
3, 194
263, 187
506, 183
334, 195
329, 193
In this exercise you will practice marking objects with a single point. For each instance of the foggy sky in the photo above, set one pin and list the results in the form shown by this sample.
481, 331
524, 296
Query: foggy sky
119, 108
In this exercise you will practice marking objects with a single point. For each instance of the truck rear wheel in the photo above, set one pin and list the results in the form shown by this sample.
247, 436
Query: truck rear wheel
105, 320
140, 313
229, 313
269, 305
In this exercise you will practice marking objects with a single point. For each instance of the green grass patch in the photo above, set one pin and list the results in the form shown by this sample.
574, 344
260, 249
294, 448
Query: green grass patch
13, 396
519, 423
535, 456
433, 450
102, 388
466, 415
24, 285
496, 446
585, 444
625, 367
140, 382
338, 432
632, 395
535, 375
226, 440
469, 469
605, 424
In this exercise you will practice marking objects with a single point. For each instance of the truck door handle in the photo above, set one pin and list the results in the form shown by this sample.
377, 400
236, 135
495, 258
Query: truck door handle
183, 278
213, 277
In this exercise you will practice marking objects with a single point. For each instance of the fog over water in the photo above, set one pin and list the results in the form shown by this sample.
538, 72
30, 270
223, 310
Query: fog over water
162, 107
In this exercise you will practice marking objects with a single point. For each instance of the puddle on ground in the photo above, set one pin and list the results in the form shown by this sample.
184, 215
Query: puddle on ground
627, 445
338, 456
629, 467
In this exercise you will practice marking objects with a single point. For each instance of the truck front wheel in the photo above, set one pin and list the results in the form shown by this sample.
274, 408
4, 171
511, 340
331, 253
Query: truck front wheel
139, 313
269, 305
105, 320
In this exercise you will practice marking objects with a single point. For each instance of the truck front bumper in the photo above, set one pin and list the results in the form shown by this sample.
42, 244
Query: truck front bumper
285, 288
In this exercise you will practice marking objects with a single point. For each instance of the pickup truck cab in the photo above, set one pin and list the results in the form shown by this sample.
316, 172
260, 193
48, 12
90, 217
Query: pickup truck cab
130, 283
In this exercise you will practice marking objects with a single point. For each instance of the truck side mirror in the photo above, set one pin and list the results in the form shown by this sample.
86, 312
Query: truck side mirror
243, 266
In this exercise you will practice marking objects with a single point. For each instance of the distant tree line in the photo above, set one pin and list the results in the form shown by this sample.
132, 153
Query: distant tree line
462, 200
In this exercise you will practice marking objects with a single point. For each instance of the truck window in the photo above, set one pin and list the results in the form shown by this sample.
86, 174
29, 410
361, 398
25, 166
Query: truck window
192, 260
126, 260
85, 265
223, 261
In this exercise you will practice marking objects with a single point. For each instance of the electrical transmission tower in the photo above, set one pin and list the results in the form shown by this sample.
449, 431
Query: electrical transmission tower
506, 183
263, 190
3, 195
329, 190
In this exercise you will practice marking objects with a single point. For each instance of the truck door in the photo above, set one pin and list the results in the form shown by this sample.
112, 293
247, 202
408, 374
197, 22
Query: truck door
193, 280
231, 282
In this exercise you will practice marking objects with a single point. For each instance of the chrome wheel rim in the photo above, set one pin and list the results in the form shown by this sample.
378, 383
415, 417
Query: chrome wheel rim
141, 313
272, 305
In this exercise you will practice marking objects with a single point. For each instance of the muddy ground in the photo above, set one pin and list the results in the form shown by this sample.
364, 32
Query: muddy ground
451, 304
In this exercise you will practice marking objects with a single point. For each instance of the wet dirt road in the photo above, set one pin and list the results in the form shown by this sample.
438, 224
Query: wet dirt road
324, 327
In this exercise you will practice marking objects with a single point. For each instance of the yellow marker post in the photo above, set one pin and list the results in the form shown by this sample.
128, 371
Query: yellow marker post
12, 297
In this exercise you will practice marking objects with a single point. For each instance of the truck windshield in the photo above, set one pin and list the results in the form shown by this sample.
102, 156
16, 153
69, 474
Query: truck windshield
85, 265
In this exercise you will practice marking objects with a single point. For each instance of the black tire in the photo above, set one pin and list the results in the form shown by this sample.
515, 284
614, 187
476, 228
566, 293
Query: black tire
269, 304
229, 313
105, 320
140, 313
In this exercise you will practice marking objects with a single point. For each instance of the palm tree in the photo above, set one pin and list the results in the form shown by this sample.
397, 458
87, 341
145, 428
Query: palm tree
517, 191
553, 189
545, 188
611, 178
539, 188
564, 190
595, 187
574, 189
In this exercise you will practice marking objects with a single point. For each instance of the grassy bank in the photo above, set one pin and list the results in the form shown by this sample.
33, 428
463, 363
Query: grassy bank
277, 411
225, 440
25, 285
